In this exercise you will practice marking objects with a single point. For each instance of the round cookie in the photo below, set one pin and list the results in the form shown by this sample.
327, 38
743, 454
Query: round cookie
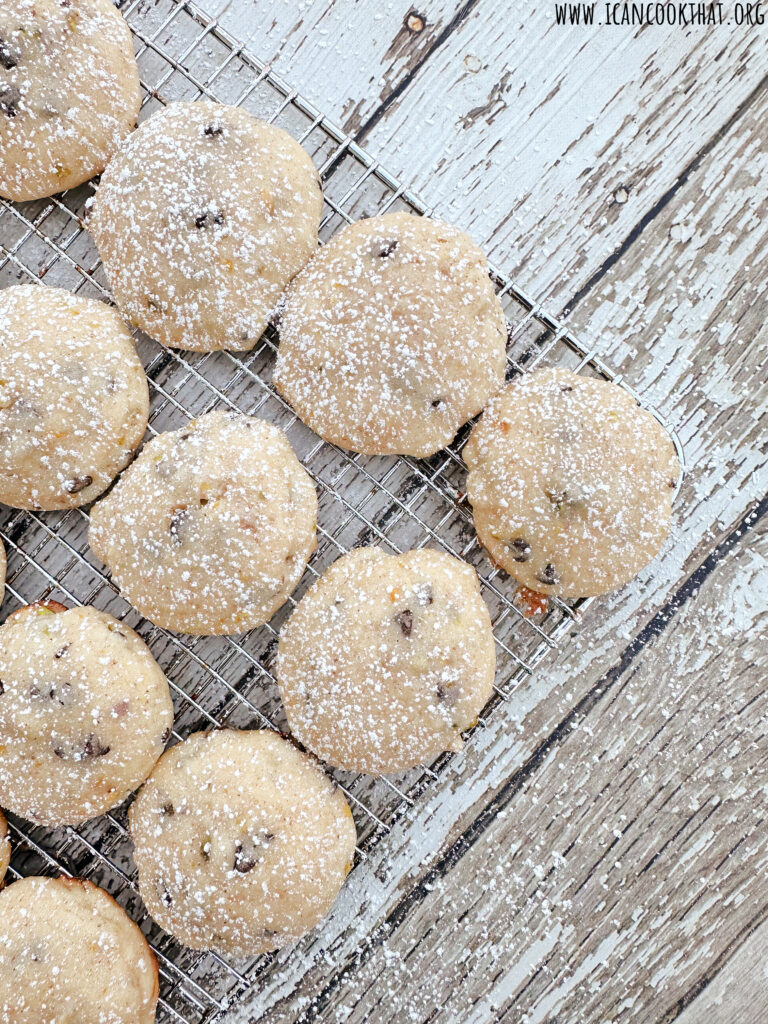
85, 712
210, 530
70, 955
74, 399
242, 842
387, 659
571, 483
392, 337
69, 93
201, 220
5, 848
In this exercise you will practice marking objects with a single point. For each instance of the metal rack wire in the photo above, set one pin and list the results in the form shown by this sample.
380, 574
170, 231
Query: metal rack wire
399, 503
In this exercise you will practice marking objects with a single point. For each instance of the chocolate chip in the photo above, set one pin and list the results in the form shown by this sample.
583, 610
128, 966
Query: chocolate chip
446, 694
168, 809
85, 750
566, 387
558, 498
276, 319
2, 687
208, 218
166, 735
163, 895
10, 97
61, 693
62, 651
213, 131
672, 484
250, 850
520, 548
9, 55
405, 621
549, 575
205, 850
94, 747
385, 249
176, 526
77, 484
436, 403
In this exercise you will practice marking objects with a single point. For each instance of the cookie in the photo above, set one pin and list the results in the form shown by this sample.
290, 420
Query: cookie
70, 955
74, 400
210, 530
241, 841
5, 848
392, 337
201, 220
571, 483
386, 660
69, 93
85, 713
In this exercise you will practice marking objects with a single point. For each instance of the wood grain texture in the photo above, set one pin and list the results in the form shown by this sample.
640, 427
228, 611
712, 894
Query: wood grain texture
680, 283
739, 992
620, 869
597, 853
549, 144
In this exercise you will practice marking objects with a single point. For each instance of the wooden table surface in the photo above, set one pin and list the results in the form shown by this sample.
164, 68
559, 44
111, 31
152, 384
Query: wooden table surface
599, 855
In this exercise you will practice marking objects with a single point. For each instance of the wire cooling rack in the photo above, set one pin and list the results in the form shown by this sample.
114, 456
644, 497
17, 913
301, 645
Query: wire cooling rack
399, 503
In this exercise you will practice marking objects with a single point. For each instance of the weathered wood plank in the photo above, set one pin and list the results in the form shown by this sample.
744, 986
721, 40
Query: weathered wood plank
715, 393
552, 169
549, 144
739, 992
601, 889
346, 58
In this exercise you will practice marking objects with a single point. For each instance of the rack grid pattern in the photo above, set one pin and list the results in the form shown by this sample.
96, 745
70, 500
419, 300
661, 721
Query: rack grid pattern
400, 503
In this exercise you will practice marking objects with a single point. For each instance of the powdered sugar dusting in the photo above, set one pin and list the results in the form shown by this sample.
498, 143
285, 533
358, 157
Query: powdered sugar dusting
210, 529
392, 337
68, 952
74, 400
201, 220
387, 659
242, 842
571, 483
69, 93
85, 712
